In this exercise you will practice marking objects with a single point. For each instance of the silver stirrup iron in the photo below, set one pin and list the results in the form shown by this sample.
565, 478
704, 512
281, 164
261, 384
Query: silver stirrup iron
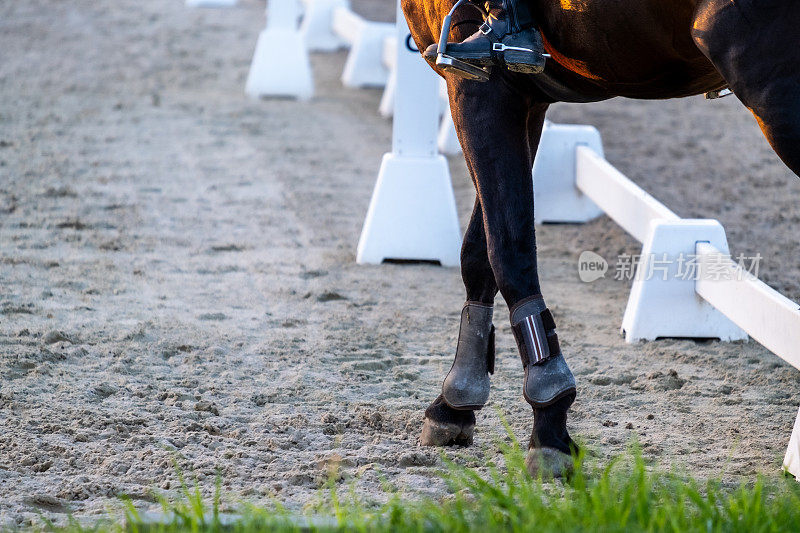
452, 65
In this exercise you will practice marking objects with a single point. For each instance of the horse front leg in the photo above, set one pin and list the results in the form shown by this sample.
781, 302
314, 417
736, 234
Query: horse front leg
450, 419
499, 129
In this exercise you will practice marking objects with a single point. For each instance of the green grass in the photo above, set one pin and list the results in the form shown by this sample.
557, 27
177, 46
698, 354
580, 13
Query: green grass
625, 495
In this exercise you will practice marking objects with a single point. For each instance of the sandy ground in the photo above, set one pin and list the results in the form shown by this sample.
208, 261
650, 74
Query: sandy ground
177, 277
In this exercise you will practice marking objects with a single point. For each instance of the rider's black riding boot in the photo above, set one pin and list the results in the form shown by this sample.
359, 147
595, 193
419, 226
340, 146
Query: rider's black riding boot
508, 36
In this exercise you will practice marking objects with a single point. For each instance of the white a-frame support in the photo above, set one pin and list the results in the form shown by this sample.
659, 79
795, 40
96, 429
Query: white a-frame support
280, 65
412, 214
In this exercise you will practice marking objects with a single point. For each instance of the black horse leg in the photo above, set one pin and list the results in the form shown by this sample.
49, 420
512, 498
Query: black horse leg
445, 425
499, 130
492, 124
549, 423
476, 271
750, 42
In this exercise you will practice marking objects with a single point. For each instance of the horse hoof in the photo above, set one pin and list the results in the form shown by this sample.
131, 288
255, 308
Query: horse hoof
445, 434
548, 463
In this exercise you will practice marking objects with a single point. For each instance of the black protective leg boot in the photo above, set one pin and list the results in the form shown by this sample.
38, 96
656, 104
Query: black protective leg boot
450, 419
547, 376
508, 37
549, 388
466, 386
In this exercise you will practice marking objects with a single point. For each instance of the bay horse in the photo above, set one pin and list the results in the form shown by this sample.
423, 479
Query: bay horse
599, 49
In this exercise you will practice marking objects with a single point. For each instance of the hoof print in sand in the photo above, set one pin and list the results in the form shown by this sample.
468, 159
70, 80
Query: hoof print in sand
208, 407
330, 296
212, 316
53, 337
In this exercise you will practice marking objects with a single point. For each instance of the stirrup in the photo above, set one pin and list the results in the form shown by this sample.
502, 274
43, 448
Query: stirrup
449, 63
455, 66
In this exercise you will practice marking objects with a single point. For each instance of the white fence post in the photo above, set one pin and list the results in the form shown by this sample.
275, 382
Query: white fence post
317, 25
556, 195
663, 301
448, 139
389, 59
412, 214
791, 461
364, 66
280, 65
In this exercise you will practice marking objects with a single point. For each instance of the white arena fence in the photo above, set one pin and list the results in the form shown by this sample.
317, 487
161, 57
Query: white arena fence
364, 66
413, 190
412, 213
719, 299
280, 65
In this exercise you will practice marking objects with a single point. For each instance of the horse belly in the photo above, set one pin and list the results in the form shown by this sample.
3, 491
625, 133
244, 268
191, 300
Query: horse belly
636, 49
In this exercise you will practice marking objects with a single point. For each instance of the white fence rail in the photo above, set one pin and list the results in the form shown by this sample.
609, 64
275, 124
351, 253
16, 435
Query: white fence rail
765, 314
626, 203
